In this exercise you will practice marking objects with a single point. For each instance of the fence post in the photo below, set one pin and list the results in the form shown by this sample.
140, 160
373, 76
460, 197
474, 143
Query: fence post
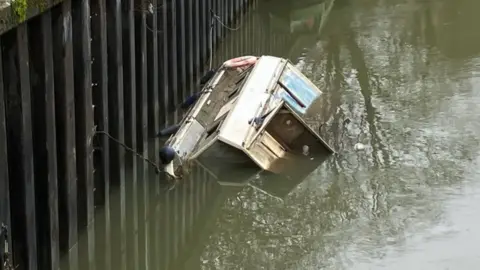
27, 149
204, 32
153, 123
181, 52
65, 104
85, 130
117, 124
51, 140
130, 87
165, 86
142, 127
172, 36
153, 74
4, 186
196, 28
44, 141
190, 39
100, 100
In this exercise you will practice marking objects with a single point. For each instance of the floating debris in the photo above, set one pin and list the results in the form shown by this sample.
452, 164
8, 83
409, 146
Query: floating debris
359, 147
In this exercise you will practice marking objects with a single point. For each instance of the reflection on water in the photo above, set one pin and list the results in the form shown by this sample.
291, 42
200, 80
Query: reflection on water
400, 77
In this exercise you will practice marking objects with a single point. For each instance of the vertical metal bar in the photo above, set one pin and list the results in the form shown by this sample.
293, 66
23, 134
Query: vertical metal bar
65, 100
191, 43
131, 126
154, 109
153, 115
25, 183
251, 29
237, 8
100, 97
233, 6
257, 26
173, 57
197, 46
205, 25
228, 33
116, 113
210, 29
259, 33
4, 185
45, 149
226, 13
218, 27
242, 49
181, 52
260, 30
253, 8
223, 9
142, 132
216, 32
159, 98
222, 32
249, 40
36, 68
255, 29
51, 139
166, 67
234, 22
85, 129
242, 21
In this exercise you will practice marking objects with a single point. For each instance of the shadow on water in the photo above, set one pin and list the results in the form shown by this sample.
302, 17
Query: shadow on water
394, 80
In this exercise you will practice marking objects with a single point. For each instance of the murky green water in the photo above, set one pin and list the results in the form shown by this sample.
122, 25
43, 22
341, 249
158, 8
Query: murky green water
406, 75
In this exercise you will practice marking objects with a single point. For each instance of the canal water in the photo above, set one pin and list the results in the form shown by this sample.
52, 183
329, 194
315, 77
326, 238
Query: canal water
401, 78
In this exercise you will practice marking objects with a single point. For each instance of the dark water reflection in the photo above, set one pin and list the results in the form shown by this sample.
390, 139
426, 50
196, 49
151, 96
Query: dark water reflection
407, 76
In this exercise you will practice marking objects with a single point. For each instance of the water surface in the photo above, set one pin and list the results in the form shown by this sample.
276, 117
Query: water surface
400, 77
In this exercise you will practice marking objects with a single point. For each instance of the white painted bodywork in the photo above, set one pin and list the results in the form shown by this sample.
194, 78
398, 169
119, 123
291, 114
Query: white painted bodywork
254, 95
188, 138
191, 131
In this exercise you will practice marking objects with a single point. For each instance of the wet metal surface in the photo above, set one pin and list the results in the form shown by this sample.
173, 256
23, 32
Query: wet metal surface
401, 78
